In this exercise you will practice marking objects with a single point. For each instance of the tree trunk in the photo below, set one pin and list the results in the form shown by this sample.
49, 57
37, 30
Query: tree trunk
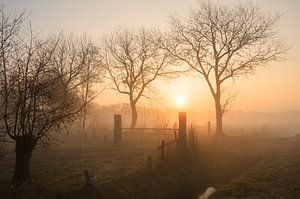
133, 115
219, 116
24, 147
82, 125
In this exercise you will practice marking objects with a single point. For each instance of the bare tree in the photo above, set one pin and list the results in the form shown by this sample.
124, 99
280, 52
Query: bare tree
38, 98
133, 59
224, 43
9, 28
78, 57
91, 75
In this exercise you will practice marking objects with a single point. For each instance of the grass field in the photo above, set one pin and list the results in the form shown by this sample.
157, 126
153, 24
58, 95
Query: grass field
60, 170
276, 175
239, 167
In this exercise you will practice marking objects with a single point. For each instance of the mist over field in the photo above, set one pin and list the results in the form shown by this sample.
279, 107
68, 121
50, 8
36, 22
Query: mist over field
195, 99
262, 124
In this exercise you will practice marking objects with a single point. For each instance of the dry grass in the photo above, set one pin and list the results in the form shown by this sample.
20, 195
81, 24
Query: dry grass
277, 175
251, 168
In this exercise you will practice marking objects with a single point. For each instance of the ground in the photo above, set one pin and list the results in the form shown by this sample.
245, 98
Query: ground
276, 175
239, 167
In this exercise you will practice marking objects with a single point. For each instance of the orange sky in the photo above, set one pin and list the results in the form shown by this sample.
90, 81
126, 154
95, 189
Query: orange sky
274, 88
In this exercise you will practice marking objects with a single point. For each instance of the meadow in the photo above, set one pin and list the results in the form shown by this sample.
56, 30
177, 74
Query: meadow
238, 167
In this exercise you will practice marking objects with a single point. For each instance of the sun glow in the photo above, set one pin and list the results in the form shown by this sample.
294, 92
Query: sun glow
180, 100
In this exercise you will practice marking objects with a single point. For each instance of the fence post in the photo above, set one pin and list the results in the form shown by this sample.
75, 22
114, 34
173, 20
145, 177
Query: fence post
175, 135
163, 150
208, 127
86, 177
149, 162
117, 135
182, 131
192, 135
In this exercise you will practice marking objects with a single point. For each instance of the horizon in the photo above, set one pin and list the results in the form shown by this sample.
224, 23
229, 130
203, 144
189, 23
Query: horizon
166, 109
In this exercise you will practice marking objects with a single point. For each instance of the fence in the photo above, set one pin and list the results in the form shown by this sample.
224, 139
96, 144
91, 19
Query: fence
158, 138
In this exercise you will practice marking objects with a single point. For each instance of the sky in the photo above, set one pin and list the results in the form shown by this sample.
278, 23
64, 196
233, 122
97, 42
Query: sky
274, 88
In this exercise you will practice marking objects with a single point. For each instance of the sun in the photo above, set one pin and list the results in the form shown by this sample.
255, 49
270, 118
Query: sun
180, 100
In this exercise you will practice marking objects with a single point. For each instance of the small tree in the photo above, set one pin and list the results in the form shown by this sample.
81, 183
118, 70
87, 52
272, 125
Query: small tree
133, 59
91, 75
224, 43
78, 57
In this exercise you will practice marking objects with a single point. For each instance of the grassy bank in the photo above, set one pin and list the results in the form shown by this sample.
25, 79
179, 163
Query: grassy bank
276, 175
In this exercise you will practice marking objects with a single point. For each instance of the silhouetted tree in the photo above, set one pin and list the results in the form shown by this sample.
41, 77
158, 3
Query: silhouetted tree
222, 43
91, 75
9, 28
79, 56
38, 98
133, 59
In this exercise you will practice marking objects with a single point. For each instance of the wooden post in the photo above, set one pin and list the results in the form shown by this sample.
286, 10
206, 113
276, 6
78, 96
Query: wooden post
117, 129
149, 162
192, 135
86, 177
208, 127
104, 139
182, 131
94, 130
162, 150
175, 135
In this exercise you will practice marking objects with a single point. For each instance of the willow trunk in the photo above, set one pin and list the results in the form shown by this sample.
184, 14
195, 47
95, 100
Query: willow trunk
24, 147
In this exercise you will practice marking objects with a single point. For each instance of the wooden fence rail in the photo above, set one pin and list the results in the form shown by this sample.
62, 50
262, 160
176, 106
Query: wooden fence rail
117, 134
180, 134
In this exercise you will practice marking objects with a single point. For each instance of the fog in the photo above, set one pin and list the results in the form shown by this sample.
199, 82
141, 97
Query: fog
149, 99
236, 123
